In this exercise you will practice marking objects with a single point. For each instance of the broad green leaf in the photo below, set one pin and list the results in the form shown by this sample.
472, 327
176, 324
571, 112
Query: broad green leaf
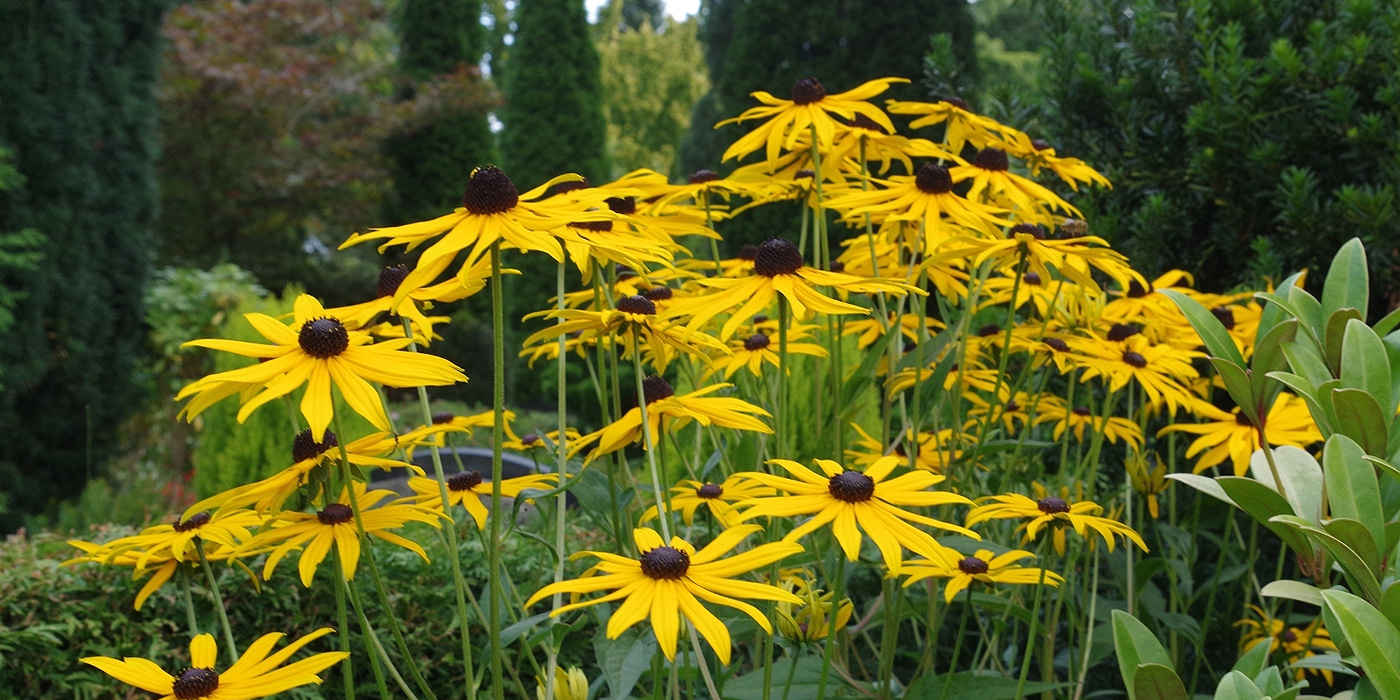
1388, 322
1293, 590
624, 659
1364, 362
1309, 312
1324, 401
1237, 686
1204, 484
1391, 342
965, 685
1301, 475
1365, 690
1263, 503
1358, 538
1352, 489
1372, 638
1390, 604
1305, 390
1217, 340
1348, 283
1158, 682
1359, 417
1253, 662
1358, 574
1238, 385
1275, 312
1307, 362
1268, 358
1135, 645
1332, 338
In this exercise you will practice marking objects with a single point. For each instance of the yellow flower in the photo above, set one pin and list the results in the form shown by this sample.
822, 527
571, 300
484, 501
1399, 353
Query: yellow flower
759, 349
1149, 483
334, 525
936, 449
1164, 372
1039, 155
963, 126
466, 488
318, 350
1230, 435
257, 674
809, 620
926, 197
707, 189
1296, 642
981, 567
1053, 409
810, 107
1055, 513
412, 301
667, 582
667, 411
530, 442
1071, 257
853, 502
688, 496
635, 321
990, 173
779, 269
568, 685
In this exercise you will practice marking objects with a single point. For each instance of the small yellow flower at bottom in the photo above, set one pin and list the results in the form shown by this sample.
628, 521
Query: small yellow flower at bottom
980, 567
568, 685
256, 674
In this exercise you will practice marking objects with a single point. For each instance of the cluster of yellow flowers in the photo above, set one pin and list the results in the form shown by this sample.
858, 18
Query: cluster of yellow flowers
962, 236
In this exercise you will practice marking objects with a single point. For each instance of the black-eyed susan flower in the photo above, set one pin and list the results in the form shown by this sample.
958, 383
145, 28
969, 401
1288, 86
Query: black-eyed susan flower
1053, 409
1072, 258
706, 188
719, 499
1163, 371
963, 126
758, 350
926, 197
258, 673
810, 620
637, 325
334, 526
469, 490
1039, 155
411, 303
1150, 482
535, 442
319, 351
982, 567
666, 412
568, 685
810, 109
853, 502
937, 448
492, 210
668, 581
1296, 642
1228, 435
991, 177
1053, 513
778, 269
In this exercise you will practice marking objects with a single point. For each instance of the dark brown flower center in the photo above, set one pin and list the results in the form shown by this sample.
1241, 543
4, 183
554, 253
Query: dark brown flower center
572, 186
807, 90
851, 487
194, 522
863, 122
933, 179
710, 491
464, 481
760, 318
988, 330
443, 417
304, 448
323, 337
972, 565
701, 176
1120, 332
529, 439
1081, 411
958, 102
1288, 637
1241, 418
389, 280
1036, 232
991, 159
193, 683
1012, 407
804, 174
1136, 290
659, 293
1135, 359
777, 256
655, 388
665, 563
622, 205
636, 304
1040, 144
1031, 278
1226, 316
599, 226
1051, 505
335, 514
748, 251
489, 191
1057, 344
836, 266
757, 341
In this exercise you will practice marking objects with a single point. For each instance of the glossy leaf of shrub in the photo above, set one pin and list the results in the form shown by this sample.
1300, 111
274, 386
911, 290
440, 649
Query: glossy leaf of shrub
1352, 488
1371, 637
1135, 646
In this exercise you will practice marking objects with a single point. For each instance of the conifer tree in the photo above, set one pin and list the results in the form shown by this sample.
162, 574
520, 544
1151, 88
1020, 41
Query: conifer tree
432, 162
79, 115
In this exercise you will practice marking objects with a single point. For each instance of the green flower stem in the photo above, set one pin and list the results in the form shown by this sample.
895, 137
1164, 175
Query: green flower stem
995, 401
343, 631
957, 643
561, 469
459, 583
663, 513
368, 555
1089, 624
218, 599
1030, 633
185, 574
838, 592
372, 645
714, 254
889, 634
780, 415
822, 249
699, 661
495, 599
292, 413
792, 671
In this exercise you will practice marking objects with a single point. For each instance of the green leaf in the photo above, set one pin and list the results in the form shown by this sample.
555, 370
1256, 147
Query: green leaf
1253, 662
1348, 284
1237, 686
1217, 340
513, 632
1358, 574
1390, 604
805, 680
1355, 535
1359, 417
1372, 638
1309, 312
1352, 489
1263, 504
624, 659
1332, 338
1364, 362
1388, 323
1391, 342
1135, 645
1301, 475
1275, 312
1268, 358
1307, 361
1158, 682
1204, 484
1306, 391
1293, 590
965, 685
1238, 385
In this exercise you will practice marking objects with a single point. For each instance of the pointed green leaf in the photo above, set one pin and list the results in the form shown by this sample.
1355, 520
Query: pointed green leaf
1355, 535
1372, 638
1275, 312
1357, 573
1158, 682
1309, 312
1204, 484
624, 659
1360, 418
1237, 686
1352, 489
1269, 357
1301, 475
1364, 362
1263, 503
1348, 283
1390, 604
1253, 661
1135, 645
1292, 590
1391, 343
1307, 361
1332, 339
1388, 323
1217, 340
1237, 384
1304, 390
